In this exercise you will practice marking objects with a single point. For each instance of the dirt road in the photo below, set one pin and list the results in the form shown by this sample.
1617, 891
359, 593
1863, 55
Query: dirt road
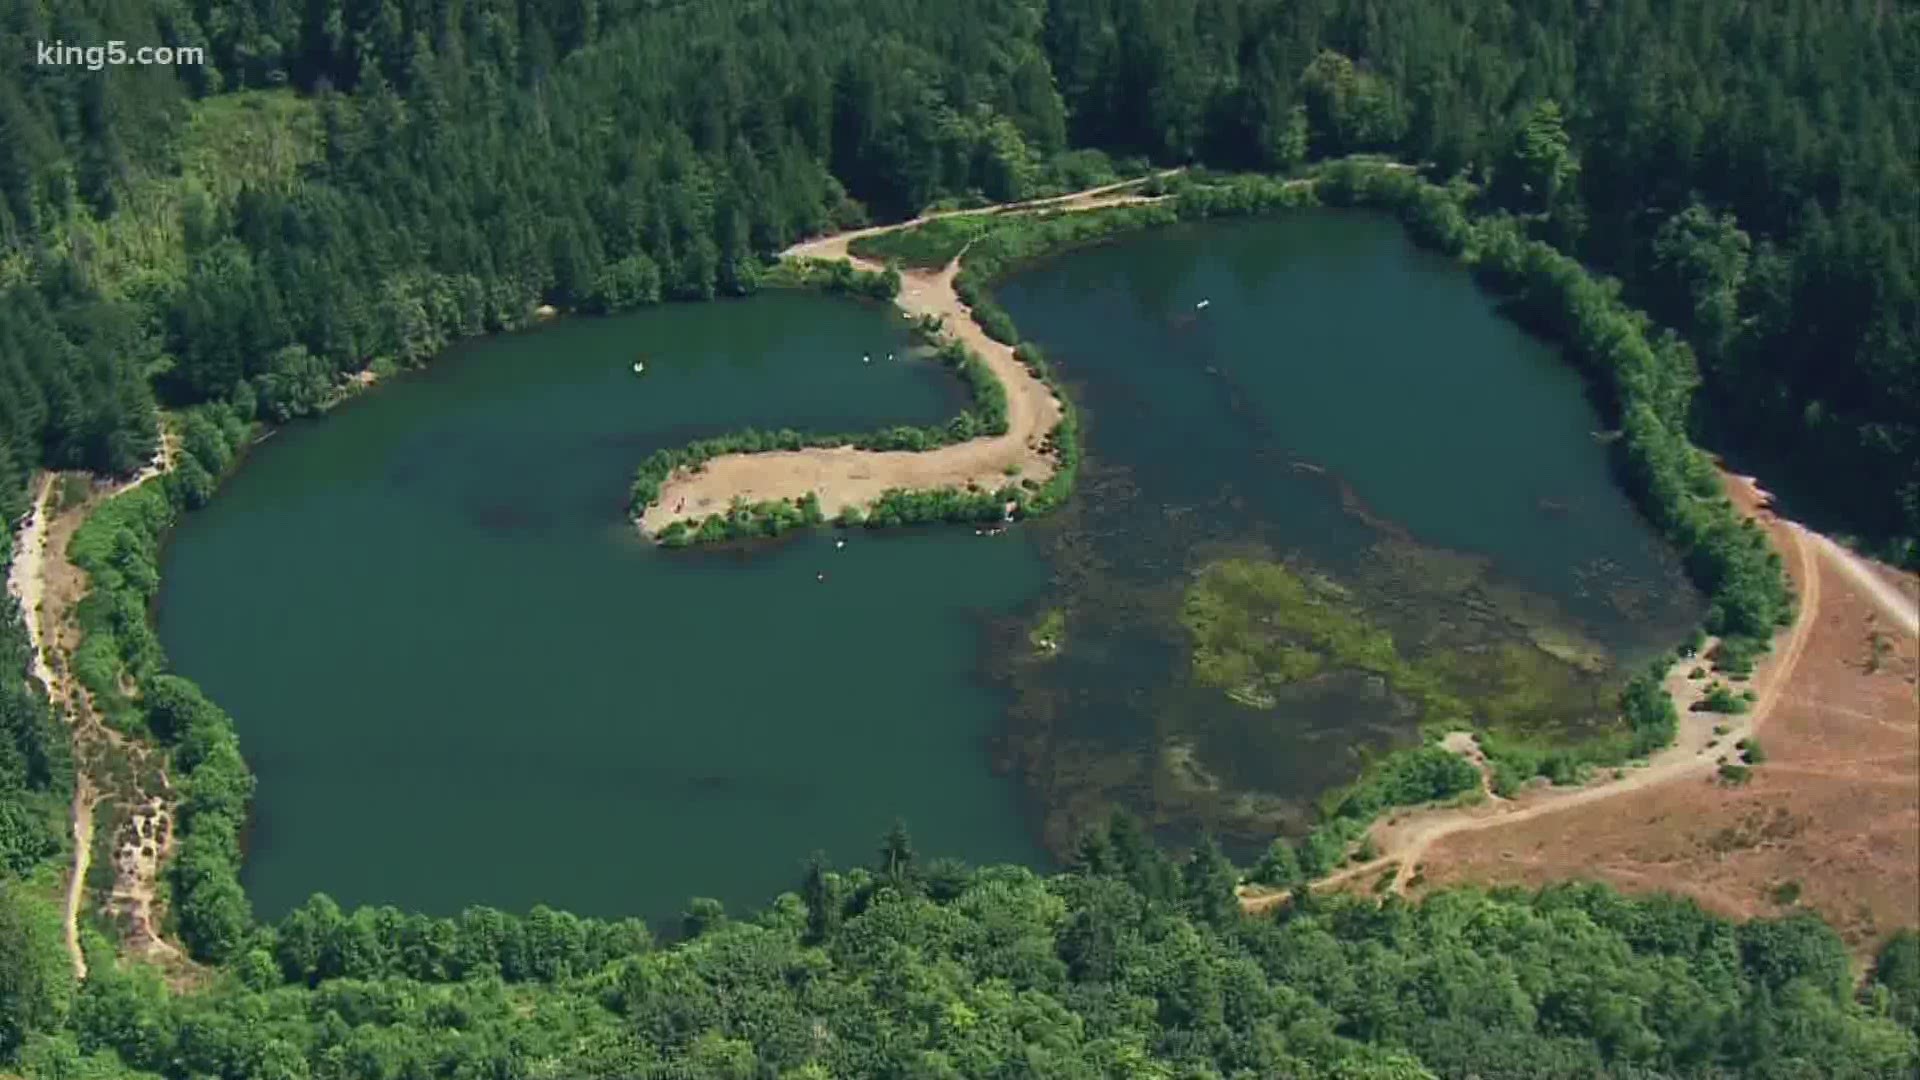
843, 476
1884, 596
27, 580
82, 815
1402, 841
1828, 823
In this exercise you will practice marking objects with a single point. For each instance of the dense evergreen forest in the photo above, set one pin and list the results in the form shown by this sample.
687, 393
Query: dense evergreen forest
355, 183
359, 181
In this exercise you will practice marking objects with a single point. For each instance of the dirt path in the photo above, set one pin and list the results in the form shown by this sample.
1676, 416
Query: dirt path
1883, 594
83, 802
1403, 840
25, 578
27, 581
49, 587
843, 476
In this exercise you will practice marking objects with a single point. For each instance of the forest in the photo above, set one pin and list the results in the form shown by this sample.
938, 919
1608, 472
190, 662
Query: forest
357, 183
1130, 965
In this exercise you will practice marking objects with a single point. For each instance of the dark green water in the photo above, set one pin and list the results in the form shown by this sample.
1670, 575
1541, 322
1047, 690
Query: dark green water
461, 678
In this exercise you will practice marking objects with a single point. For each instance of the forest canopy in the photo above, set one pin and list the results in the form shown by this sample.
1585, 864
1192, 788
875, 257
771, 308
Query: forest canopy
1132, 966
351, 182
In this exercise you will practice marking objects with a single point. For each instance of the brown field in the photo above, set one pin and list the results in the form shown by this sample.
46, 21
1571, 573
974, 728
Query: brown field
1830, 821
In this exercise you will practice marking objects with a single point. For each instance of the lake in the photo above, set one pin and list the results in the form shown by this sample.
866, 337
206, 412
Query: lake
461, 678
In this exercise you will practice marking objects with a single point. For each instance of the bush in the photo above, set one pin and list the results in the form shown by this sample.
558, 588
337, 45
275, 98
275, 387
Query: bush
930, 246
1720, 698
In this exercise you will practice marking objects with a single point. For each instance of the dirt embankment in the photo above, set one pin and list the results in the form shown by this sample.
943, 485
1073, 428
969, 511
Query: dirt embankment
843, 476
1829, 820
110, 769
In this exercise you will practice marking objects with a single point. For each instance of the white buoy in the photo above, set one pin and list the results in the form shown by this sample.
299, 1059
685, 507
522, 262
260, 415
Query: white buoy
866, 359
889, 356
1202, 305
638, 367
838, 544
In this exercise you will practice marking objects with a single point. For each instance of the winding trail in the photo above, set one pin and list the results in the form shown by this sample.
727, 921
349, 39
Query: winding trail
1402, 841
844, 476
27, 581
82, 814
47, 611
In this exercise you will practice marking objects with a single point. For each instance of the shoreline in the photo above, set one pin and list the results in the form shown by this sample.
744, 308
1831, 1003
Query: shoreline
845, 477
1403, 838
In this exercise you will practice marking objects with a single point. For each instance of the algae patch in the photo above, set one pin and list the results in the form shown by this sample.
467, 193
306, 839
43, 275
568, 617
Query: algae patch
1049, 635
1259, 628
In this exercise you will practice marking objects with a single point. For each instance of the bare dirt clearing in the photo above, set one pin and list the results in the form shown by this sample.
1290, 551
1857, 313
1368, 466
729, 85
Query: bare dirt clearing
1829, 821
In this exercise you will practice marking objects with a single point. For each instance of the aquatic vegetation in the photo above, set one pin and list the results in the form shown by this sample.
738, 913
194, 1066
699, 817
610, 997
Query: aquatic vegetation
1256, 626
1262, 623
1050, 633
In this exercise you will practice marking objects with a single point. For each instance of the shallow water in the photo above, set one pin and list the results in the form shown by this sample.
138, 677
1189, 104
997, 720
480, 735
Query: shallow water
1357, 408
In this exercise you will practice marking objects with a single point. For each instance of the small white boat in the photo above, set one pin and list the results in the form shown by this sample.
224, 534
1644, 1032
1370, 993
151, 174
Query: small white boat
1202, 305
838, 544
639, 368
889, 356
866, 359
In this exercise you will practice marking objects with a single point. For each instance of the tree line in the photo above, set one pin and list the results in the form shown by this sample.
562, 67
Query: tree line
1132, 964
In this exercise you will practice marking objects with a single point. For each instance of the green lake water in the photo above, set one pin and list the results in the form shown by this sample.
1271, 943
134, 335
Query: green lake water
462, 679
